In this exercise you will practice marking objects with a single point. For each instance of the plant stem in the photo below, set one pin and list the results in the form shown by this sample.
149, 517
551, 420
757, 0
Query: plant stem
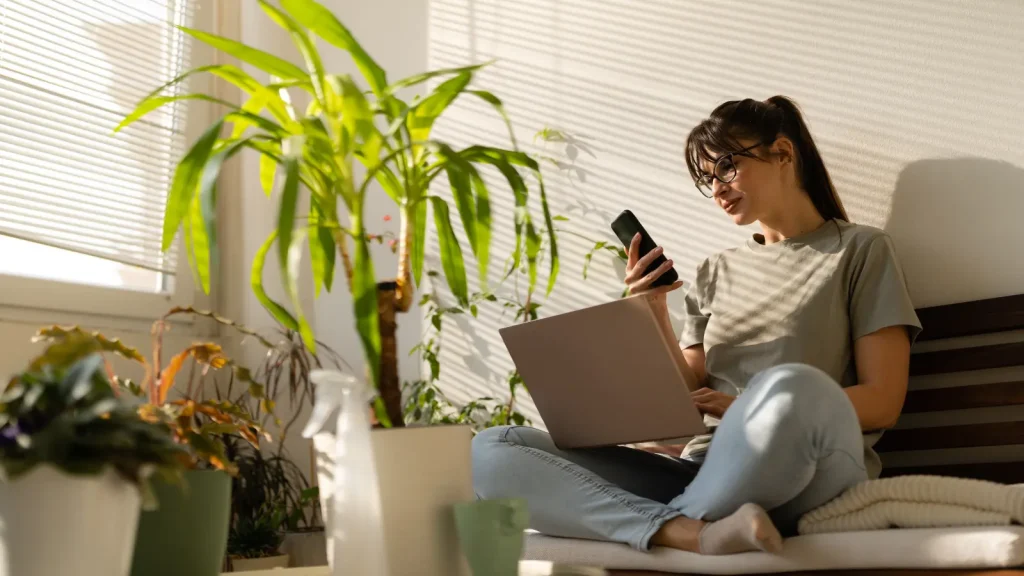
390, 387
403, 294
342, 241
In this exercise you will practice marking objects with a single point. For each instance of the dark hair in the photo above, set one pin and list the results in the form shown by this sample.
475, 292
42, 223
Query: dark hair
765, 122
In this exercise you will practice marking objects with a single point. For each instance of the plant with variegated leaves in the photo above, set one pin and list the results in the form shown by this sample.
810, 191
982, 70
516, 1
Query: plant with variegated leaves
195, 422
347, 122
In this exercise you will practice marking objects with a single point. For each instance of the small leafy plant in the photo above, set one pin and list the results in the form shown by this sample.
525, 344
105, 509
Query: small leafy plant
195, 422
271, 480
257, 536
67, 415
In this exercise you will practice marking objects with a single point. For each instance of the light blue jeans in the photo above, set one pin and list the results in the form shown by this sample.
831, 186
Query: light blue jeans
790, 443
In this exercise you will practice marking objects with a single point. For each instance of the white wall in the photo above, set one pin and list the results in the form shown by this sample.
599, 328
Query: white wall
916, 106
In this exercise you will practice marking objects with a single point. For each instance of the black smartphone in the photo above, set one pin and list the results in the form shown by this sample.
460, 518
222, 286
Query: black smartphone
626, 226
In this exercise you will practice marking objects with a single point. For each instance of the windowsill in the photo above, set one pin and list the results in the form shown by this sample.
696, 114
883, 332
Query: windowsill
52, 296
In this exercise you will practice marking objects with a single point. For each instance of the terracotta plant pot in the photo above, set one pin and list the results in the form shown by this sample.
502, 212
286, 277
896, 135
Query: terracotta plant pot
55, 523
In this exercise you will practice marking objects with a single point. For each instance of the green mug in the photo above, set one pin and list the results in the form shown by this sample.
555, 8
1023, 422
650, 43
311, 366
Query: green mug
491, 535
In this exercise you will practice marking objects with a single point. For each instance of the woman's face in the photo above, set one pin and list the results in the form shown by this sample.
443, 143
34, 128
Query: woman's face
756, 190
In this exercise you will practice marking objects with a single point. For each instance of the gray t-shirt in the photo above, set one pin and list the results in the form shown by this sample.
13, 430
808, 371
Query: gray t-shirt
804, 299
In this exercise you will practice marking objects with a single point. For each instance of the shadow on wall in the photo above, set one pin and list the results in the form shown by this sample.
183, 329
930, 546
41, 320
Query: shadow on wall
940, 204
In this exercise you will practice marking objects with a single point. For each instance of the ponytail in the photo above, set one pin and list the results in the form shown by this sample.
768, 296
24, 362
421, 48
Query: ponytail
766, 121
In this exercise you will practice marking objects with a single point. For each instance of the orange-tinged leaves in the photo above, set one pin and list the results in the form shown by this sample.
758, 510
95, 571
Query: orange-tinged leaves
206, 353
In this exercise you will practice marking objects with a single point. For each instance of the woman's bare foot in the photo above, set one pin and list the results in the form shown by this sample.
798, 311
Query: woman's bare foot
749, 529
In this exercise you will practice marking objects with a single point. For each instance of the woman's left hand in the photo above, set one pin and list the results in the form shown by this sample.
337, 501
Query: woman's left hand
711, 401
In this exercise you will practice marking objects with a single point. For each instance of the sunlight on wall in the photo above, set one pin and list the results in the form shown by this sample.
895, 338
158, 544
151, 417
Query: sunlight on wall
916, 106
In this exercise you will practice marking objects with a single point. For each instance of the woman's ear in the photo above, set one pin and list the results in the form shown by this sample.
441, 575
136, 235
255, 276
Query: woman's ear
783, 149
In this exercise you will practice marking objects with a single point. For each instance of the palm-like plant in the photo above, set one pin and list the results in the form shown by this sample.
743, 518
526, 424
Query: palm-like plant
317, 150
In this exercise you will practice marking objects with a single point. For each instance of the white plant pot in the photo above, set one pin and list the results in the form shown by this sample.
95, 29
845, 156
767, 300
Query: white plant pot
305, 548
422, 473
52, 523
256, 564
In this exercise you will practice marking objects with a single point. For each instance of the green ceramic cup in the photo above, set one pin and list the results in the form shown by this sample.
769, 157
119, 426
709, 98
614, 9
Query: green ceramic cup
491, 535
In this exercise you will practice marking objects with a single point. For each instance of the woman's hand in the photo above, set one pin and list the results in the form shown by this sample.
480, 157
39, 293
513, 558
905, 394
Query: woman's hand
711, 401
673, 450
638, 282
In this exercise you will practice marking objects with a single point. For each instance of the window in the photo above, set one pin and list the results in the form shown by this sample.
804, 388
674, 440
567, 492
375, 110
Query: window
77, 203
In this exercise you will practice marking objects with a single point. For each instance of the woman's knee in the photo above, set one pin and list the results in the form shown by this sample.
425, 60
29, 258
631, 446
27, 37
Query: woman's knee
805, 387
494, 460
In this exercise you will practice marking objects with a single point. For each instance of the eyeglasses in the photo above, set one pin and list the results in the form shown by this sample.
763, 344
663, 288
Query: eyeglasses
724, 172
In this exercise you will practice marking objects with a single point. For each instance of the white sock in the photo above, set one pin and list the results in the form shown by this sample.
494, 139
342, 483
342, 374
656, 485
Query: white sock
749, 529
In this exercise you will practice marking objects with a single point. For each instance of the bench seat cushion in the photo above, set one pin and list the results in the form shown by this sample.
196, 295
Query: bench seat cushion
949, 548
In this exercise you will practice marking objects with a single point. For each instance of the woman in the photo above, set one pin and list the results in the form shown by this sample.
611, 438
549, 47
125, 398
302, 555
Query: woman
798, 341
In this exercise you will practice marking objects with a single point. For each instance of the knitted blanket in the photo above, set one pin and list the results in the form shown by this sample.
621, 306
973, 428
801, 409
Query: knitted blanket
918, 502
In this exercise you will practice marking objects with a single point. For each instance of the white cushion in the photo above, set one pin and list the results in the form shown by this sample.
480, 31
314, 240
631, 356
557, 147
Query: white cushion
951, 548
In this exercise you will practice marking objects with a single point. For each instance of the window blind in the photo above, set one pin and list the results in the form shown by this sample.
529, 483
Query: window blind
70, 70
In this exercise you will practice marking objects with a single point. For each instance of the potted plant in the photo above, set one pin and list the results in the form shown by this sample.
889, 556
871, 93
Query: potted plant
315, 151
188, 533
76, 461
254, 542
270, 488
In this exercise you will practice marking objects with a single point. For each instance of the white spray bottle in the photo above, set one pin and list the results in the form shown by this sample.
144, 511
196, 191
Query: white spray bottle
353, 518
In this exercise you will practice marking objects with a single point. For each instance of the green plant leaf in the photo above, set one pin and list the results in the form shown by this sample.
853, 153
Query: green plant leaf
324, 24
364, 300
451, 252
289, 247
204, 227
256, 283
560, 218
474, 206
286, 213
268, 170
462, 193
418, 214
243, 119
496, 103
306, 48
358, 120
197, 243
519, 191
552, 238
186, 179
390, 183
505, 160
421, 78
423, 115
483, 225
321, 251
155, 102
258, 58
381, 412
292, 285
229, 72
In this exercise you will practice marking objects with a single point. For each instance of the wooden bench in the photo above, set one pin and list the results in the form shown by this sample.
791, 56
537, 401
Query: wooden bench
964, 414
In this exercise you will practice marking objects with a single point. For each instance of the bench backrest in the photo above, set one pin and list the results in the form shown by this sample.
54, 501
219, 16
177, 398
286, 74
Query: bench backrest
964, 414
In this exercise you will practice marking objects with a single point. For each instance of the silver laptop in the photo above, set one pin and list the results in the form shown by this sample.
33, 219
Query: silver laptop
604, 375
